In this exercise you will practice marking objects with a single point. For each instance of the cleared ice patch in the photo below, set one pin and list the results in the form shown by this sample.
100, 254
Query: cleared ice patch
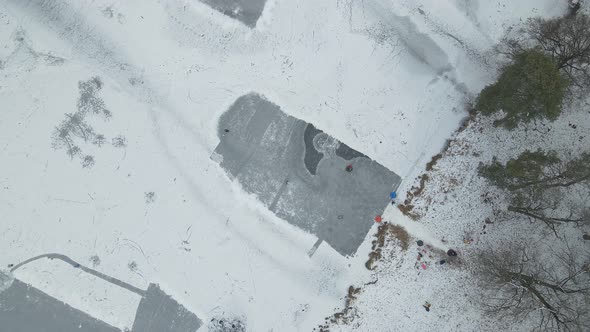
245, 11
302, 174
107, 302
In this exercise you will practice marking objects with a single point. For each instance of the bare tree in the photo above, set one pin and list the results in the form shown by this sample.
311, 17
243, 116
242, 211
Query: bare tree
542, 187
549, 207
63, 139
78, 127
574, 6
567, 40
74, 127
89, 101
71, 128
99, 140
150, 197
539, 169
550, 286
73, 151
87, 161
119, 141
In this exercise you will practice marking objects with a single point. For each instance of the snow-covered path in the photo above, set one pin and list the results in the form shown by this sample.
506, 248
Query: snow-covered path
415, 229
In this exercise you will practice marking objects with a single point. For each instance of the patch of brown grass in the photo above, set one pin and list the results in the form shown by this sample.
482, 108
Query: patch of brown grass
432, 162
407, 210
350, 297
347, 314
383, 231
467, 120
401, 234
407, 207
417, 191
423, 179
376, 246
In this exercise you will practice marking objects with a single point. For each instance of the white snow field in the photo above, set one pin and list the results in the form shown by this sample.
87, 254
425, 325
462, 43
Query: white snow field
390, 78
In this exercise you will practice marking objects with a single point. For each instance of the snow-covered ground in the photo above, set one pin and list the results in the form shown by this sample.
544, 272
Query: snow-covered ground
459, 210
388, 78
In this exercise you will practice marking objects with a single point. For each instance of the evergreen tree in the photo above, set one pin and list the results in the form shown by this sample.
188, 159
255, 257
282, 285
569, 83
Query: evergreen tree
526, 170
530, 88
534, 181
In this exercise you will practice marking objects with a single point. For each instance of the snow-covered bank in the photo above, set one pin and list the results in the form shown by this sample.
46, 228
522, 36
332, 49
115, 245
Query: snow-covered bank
458, 207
